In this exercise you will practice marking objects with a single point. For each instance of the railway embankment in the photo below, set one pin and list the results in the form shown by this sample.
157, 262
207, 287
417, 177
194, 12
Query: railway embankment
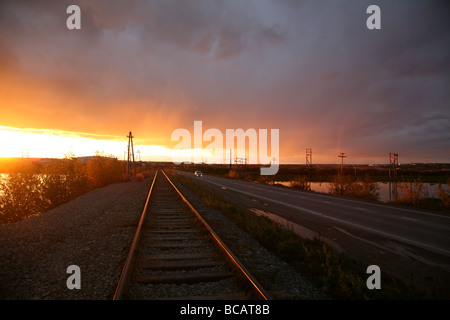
94, 232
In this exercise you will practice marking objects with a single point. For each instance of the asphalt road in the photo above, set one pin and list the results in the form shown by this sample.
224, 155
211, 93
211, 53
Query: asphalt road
425, 230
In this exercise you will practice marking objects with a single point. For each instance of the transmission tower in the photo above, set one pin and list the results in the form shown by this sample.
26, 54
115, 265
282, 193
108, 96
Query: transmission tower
308, 165
393, 163
308, 157
139, 155
393, 159
130, 160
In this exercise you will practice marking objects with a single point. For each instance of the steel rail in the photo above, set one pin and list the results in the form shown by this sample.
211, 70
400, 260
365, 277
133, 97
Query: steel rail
128, 267
263, 293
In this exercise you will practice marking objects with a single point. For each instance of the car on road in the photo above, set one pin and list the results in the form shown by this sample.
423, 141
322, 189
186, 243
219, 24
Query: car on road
198, 174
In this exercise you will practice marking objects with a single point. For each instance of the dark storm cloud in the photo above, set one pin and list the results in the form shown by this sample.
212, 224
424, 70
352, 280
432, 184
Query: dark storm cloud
310, 68
371, 88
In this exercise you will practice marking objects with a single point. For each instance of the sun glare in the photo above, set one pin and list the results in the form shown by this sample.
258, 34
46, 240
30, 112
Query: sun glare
41, 143
35, 143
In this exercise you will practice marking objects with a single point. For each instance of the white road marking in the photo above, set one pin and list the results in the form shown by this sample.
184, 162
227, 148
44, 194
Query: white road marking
409, 219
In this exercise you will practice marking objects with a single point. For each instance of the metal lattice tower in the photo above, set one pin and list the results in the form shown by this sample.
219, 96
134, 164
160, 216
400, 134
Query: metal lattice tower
139, 155
393, 159
308, 157
393, 163
130, 160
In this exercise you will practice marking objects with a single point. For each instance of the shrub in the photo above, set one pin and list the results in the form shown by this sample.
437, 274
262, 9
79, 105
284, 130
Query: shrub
359, 188
444, 195
412, 193
101, 171
233, 174
300, 182
20, 197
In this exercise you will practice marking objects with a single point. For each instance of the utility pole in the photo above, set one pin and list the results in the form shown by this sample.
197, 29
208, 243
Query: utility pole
130, 147
342, 156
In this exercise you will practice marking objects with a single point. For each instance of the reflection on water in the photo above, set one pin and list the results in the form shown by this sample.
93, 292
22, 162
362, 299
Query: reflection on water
432, 189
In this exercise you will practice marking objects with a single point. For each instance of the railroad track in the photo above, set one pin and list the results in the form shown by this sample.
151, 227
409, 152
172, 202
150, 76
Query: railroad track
175, 254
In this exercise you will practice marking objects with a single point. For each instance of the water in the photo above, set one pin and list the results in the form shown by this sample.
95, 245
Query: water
323, 187
296, 228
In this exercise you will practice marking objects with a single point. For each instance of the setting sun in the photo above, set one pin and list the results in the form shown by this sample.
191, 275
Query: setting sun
53, 144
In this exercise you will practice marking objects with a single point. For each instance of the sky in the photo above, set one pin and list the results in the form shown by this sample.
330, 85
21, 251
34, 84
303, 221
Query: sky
311, 69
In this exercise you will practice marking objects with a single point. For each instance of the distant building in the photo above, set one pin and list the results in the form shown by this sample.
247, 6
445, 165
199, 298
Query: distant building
86, 159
